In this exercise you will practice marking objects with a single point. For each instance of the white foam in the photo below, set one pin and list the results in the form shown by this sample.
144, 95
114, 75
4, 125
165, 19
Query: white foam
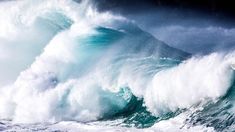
27, 26
189, 83
177, 124
35, 96
47, 91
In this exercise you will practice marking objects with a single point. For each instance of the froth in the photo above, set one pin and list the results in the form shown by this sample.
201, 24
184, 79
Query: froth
191, 82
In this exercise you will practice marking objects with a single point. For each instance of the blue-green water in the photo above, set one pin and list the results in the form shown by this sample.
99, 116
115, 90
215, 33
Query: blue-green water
72, 67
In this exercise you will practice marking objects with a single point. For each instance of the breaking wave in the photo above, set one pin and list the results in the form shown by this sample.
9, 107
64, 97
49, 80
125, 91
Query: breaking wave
63, 61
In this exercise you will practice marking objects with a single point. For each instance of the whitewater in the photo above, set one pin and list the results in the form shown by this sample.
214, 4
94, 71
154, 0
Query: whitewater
67, 67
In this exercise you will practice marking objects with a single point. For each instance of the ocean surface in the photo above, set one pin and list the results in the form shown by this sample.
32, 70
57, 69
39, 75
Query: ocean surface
66, 67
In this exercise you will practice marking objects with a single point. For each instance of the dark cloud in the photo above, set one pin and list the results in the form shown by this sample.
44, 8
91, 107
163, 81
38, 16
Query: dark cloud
214, 7
195, 26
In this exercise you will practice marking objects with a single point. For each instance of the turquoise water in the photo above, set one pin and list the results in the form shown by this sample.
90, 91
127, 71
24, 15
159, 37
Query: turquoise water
86, 69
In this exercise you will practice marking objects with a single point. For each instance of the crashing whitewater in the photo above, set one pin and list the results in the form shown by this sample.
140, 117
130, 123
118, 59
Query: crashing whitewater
66, 67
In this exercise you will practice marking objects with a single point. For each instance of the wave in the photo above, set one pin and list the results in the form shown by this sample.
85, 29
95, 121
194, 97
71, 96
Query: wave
86, 66
192, 81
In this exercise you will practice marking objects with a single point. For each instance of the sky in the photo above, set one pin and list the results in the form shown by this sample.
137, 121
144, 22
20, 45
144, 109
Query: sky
195, 26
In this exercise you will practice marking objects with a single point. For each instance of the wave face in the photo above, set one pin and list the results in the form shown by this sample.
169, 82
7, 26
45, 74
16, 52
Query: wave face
66, 62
